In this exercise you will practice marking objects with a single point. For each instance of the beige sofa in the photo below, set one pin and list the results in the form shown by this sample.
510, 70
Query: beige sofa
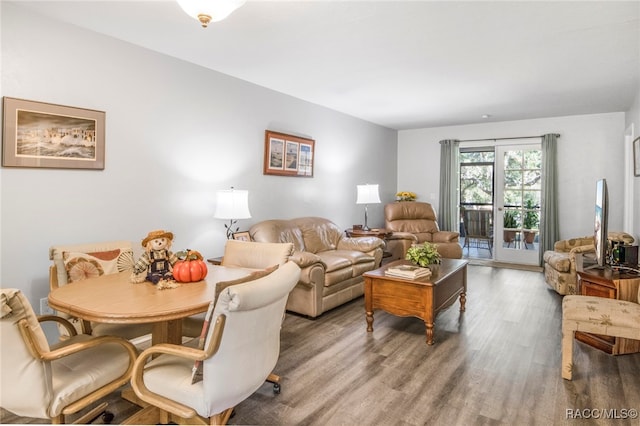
332, 264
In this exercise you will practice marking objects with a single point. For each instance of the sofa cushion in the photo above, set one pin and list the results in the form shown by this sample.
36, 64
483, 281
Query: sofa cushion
278, 231
334, 262
319, 234
354, 257
601, 312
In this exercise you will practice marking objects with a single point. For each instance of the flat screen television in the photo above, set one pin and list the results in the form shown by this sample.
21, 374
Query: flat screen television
600, 240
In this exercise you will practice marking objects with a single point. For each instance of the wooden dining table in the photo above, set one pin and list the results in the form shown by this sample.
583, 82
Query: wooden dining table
114, 298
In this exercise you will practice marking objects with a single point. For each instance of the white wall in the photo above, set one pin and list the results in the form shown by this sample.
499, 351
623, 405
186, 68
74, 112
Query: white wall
175, 133
590, 147
632, 120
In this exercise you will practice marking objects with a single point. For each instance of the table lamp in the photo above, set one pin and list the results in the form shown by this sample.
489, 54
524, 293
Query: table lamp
367, 194
232, 204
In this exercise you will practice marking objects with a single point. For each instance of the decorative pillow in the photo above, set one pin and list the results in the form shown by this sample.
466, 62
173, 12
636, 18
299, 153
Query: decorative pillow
197, 372
80, 266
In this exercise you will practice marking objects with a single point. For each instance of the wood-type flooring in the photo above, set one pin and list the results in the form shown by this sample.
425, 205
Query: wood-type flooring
498, 363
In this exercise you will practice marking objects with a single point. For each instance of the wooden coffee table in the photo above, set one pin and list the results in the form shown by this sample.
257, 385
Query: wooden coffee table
422, 298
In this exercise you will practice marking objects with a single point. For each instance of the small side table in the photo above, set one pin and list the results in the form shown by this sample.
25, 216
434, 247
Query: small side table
374, 232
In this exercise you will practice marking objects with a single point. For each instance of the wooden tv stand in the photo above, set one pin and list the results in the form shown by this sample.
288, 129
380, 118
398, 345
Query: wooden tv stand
613, 285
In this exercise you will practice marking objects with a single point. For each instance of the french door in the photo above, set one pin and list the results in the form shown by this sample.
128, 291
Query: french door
517, 202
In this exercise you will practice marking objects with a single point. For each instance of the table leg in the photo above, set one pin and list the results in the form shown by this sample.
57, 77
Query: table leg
369, 321
463, 301
429, 333
167, 332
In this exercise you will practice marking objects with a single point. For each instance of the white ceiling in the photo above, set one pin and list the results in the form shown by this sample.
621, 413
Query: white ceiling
401, 64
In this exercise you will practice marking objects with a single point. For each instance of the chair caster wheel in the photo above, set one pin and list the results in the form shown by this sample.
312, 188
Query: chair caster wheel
276, 388
107, 417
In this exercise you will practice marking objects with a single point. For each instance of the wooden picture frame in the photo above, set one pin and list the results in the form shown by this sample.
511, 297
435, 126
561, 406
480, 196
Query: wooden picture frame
39, 134
288, 155
241, 236
636, 156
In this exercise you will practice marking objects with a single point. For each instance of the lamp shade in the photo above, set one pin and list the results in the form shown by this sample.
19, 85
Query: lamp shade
368, 194
232, 204
207, 11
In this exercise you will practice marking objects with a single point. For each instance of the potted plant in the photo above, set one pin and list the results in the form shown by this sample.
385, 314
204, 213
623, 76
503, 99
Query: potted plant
406, 196
424, 255
510, 222
530, 222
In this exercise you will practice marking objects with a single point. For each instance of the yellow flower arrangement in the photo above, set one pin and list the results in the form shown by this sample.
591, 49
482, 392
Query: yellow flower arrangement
406, 196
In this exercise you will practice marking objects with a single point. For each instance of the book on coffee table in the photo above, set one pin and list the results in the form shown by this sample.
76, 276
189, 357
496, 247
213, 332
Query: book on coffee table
408, 271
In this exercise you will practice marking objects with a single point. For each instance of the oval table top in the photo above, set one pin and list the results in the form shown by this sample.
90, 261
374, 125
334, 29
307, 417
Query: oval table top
114, 299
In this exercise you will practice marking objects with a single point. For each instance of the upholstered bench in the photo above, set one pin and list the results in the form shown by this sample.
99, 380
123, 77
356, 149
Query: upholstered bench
598, 315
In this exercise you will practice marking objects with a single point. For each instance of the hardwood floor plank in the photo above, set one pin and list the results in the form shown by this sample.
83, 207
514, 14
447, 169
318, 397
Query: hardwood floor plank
498, 363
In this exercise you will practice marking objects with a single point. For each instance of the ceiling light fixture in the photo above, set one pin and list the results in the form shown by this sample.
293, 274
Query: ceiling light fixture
207, 11
485, 116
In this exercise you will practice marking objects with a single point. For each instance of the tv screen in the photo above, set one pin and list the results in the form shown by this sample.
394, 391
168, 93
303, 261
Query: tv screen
600, 227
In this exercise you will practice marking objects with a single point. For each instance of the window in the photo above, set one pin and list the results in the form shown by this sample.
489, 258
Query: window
476, 176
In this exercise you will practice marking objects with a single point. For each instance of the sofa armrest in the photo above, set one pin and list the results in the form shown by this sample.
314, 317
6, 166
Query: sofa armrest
363, 244
305, 258
402, 236
578, 252
445, 237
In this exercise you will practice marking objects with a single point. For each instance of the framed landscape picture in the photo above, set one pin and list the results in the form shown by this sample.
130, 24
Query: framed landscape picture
288, 155
38, 134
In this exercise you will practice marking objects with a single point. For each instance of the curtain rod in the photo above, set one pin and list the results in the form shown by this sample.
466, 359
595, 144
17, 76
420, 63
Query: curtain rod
501, 139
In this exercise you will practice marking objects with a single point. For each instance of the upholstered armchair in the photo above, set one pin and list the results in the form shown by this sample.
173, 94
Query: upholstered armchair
413, 222
80, 261
240, 349
598, 315
560, 267
42, 381
247, 255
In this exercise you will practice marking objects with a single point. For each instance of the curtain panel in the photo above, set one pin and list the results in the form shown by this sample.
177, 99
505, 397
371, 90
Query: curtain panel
448, 218
549, 228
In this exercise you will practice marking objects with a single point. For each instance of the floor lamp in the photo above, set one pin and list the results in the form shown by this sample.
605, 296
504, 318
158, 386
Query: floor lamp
367, 194
232, 204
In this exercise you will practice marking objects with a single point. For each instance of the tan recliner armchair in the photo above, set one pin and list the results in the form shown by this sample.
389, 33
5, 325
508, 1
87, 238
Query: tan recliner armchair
414, 222
53, 382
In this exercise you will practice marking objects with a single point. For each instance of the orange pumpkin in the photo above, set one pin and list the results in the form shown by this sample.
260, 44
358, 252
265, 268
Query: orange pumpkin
190, 267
